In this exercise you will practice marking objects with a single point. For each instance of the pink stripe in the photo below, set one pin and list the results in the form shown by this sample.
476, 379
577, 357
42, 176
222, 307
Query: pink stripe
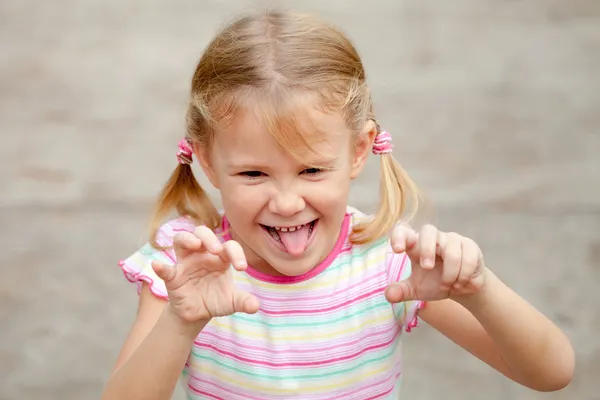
326, 294
330, 360
318, 311
198, 381
401, 263
392, 378
380, 395
167, 253
272, 305
206, 394
220, 337
338, 394
182, 230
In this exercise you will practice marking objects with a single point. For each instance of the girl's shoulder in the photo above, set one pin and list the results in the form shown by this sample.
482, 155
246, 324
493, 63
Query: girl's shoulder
397, 265
137, 267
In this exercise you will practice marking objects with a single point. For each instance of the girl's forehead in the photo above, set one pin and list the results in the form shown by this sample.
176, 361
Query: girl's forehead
301, 131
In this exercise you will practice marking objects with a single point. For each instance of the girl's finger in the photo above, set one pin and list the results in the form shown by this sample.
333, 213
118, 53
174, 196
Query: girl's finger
428, 238
211, 242
234, 254
245, 302
184, 243
403, 238
163, 271
470, 261
452, 256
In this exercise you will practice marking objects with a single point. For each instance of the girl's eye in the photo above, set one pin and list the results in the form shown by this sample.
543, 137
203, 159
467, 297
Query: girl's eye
312, 171
252, 174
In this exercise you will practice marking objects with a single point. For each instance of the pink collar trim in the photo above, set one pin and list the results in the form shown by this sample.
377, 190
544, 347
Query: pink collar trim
337, 248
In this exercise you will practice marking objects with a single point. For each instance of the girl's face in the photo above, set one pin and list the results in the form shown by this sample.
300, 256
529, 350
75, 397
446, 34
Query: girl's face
285, 214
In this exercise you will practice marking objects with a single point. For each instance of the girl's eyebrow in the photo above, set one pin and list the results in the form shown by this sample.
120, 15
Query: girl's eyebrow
321, 162
246, 166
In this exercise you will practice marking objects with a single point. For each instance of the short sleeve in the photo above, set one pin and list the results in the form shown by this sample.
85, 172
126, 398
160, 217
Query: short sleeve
399, 269
137, 268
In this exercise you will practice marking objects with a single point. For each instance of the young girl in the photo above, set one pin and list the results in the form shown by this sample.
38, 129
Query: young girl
290, 293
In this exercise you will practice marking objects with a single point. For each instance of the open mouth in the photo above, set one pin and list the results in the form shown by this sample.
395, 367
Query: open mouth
292, 239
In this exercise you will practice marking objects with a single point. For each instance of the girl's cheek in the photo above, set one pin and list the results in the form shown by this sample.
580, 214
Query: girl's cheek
239, 193
331, 190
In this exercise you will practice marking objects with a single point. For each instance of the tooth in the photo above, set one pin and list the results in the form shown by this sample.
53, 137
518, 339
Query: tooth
288, 229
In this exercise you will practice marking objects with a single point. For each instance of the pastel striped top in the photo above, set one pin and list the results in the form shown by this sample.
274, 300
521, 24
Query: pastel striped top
328, 334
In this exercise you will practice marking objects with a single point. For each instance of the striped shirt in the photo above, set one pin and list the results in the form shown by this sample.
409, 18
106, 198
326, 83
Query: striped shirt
328, 334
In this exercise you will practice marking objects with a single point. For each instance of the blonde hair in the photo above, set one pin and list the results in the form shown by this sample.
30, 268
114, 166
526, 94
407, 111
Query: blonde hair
270, 59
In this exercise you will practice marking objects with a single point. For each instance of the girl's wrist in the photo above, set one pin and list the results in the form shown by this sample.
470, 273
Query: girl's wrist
185, 328
474, 301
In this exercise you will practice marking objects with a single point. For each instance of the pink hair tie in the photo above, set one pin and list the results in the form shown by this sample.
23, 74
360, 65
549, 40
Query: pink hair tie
184, 154
383, 143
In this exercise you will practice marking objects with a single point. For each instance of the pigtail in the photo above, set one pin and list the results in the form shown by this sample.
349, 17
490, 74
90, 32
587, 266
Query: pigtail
399, 201
183, 193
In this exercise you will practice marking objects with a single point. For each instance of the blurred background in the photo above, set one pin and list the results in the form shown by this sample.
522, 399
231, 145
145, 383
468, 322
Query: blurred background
495, 111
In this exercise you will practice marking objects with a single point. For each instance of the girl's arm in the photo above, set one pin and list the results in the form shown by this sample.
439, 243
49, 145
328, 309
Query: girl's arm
154, 354
506, 332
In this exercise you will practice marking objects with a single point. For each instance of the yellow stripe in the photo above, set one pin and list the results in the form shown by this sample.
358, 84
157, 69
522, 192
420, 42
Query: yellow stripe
297, 334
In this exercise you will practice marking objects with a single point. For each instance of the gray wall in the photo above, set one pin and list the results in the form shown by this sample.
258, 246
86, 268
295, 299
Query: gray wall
495, 109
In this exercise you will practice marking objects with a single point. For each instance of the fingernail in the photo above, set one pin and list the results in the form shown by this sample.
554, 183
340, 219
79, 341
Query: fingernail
427, 263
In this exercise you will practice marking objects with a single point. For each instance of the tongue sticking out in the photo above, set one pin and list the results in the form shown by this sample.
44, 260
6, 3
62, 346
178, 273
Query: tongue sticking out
295, 242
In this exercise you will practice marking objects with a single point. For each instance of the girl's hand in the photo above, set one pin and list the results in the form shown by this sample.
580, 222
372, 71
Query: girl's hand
444, 265
200, 285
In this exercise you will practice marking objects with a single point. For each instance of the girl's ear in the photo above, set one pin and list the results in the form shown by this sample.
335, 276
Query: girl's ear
203, 156
362, 147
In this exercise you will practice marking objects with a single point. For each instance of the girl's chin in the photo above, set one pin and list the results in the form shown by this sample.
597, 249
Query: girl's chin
288, 266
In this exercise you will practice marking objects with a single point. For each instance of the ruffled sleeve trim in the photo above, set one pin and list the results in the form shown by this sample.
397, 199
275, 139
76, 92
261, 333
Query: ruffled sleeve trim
137, 268
156, 285
412, 320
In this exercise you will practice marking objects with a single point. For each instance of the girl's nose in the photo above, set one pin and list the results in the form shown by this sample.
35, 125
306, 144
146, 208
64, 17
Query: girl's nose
286, 204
